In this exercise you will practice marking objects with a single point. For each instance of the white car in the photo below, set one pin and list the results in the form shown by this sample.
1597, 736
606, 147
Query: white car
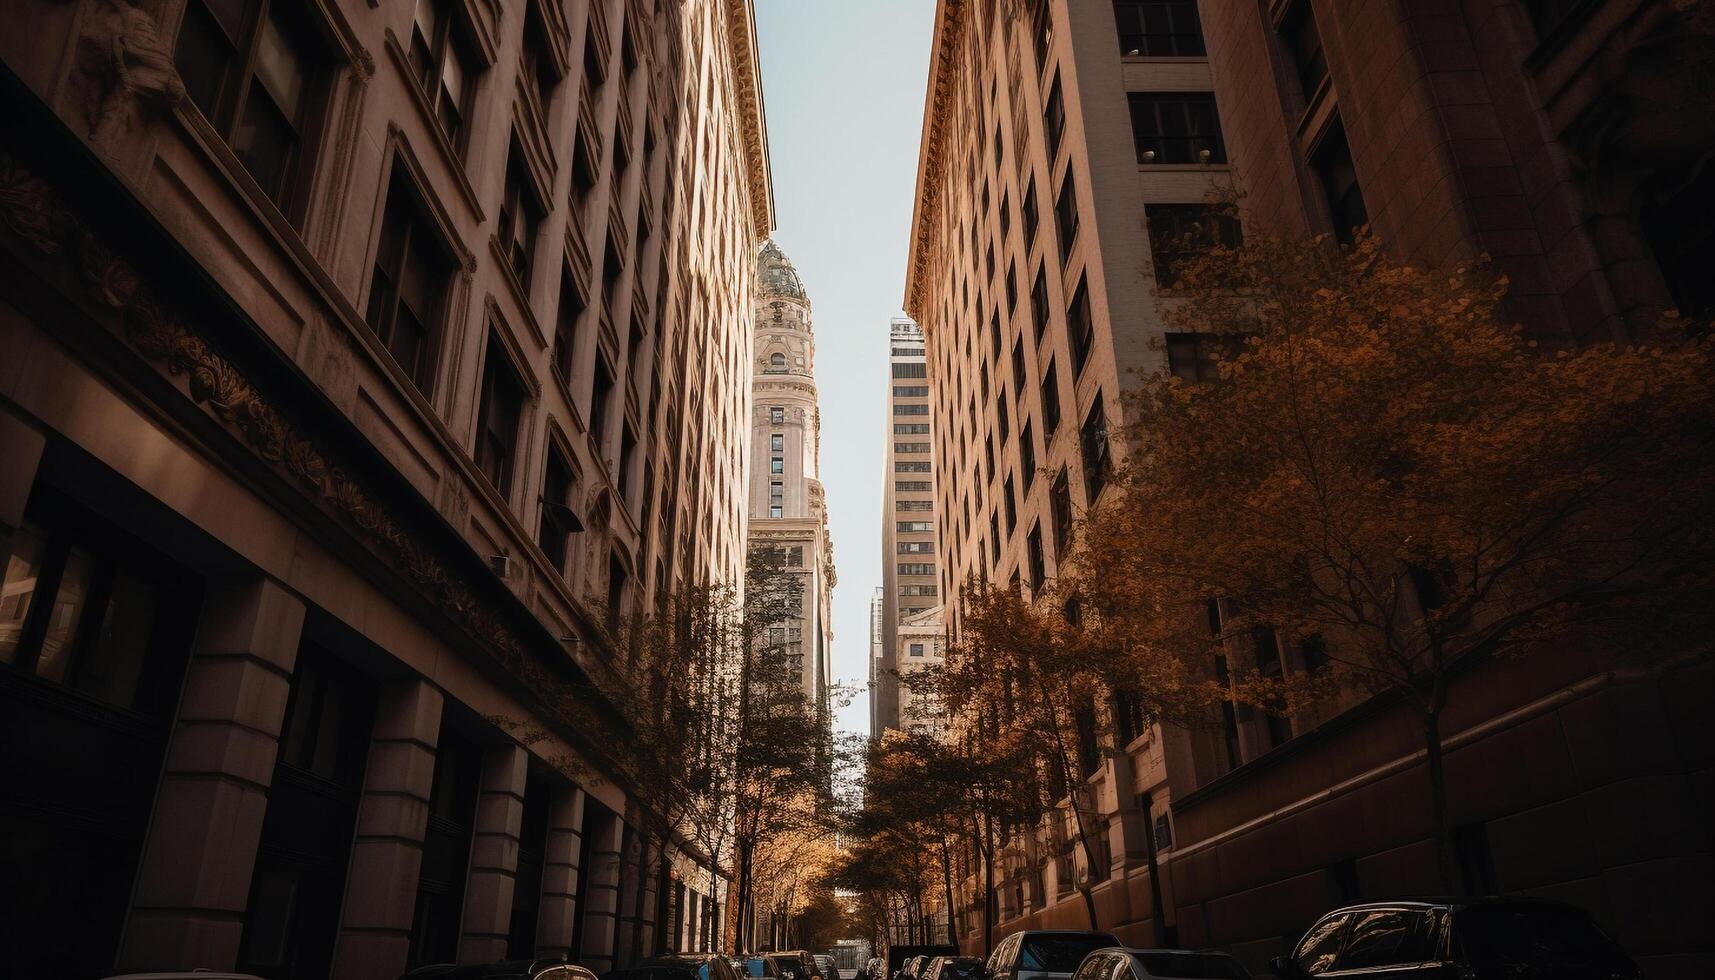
1044, 954
1121, 963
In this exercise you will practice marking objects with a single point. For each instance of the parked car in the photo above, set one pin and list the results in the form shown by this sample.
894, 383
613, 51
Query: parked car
1121, 963
899, 957
915, 968
678, 966
194, 975
1045, 954
783, 966
825, 966
954, 968
1473, 939
505, 970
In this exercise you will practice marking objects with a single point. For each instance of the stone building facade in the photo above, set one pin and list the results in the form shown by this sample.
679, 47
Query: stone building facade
788, 507
910, 573
1065, 145
362, 362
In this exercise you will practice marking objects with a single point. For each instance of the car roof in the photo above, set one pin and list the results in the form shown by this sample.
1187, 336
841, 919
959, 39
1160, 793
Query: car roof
1060, 932
1450, 902
477, 971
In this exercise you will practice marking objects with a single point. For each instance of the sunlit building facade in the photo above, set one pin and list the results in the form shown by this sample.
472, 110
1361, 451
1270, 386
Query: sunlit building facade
364, 365
1067, 147
788, 505
910, 572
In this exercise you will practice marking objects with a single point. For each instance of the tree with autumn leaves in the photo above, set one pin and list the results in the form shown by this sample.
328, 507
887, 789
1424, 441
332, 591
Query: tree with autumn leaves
1378, 466
1383, 467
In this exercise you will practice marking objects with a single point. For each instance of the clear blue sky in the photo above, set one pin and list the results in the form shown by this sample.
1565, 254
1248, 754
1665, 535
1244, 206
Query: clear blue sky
843, 88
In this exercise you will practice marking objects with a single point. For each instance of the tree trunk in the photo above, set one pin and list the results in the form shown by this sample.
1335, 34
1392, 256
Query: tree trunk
947, 884
1158, 920
1450, 883
745, 912
986, 851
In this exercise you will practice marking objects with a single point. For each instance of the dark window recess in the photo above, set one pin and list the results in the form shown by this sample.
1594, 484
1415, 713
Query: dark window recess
566, 326
1180, 233
1681, 234
1060, 505
1041, 31
1156, 29
601, 398
1080, 329
1229, 717
535, 63
1038, 565
1011, 288
258, 72
498, 417
293, 914
1266, 647
1066, 216
627, 452
617, 579
406, 289
558, 518
1332, 162
1039, 305
1304, 41
95, 632
435, 926
1054, 120
1195, 357
1029, 214
1011, 501
1095, 452
1026, 457
1550, 16
1050, 403
520, 215
445, 68
532, 855
1176, 127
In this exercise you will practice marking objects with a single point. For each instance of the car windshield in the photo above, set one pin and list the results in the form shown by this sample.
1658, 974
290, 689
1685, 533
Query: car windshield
961, 970
1192, 966
789, 964
1526, 934
1059, 954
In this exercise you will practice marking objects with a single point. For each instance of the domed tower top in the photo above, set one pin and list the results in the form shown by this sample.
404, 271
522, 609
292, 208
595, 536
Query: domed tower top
775, 276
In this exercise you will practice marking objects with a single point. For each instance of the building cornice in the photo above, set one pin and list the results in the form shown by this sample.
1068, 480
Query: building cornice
937, 106
753, 124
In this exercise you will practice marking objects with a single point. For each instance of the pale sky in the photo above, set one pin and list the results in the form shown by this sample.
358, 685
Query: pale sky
843, 86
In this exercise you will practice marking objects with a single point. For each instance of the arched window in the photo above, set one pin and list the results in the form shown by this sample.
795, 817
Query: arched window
776, 364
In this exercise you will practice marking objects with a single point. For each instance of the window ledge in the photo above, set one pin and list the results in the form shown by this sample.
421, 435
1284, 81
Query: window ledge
1157, 168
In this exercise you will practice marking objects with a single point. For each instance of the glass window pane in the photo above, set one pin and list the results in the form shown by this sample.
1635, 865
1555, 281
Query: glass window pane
23, 565
267, 143
64, 616
280, 68
114, 664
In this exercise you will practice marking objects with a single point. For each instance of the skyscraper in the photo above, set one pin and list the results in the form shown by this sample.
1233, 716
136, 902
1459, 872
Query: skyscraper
909, 572
788, 507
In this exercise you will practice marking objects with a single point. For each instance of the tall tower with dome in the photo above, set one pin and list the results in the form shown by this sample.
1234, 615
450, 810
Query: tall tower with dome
788, 508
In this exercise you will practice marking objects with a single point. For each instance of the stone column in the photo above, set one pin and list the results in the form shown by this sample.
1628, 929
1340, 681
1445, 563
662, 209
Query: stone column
601, 894
494, 856
629, 885
381, 887
560, 873
194, 882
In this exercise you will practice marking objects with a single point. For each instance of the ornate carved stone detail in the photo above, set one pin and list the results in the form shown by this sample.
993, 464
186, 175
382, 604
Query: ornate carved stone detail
121, 60
748, 90
944, 76
32, 212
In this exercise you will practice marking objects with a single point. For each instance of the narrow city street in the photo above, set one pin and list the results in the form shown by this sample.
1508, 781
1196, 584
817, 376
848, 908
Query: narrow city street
898, 490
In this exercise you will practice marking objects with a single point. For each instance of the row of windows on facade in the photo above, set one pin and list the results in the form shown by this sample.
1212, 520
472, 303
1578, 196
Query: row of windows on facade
256, 71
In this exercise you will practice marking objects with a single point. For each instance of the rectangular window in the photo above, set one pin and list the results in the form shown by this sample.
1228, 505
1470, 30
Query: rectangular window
1066, 216
777, 465
911, 391
916, 568
915, 547
1026, 457
1039, 305
1304, 41
777, 442
257, 70
916, 649
1002, 423
1080, 329
1093, 446
1054, 120
908, 466
535, 64
601, 399
627, 452
520, 216
911, 410
908, 526
918, 590
1179, 233
1030, 216
1155, 29
1193, 356
498, 415
1176, 127
558, 519
911, 429
1038, 567
914, 505
913, 486
566, 326
776, 415
1050, 403
446, 849
1332, 161
445, 67
1060, 508
910, 447
407, 284
1010, 500
911, 370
